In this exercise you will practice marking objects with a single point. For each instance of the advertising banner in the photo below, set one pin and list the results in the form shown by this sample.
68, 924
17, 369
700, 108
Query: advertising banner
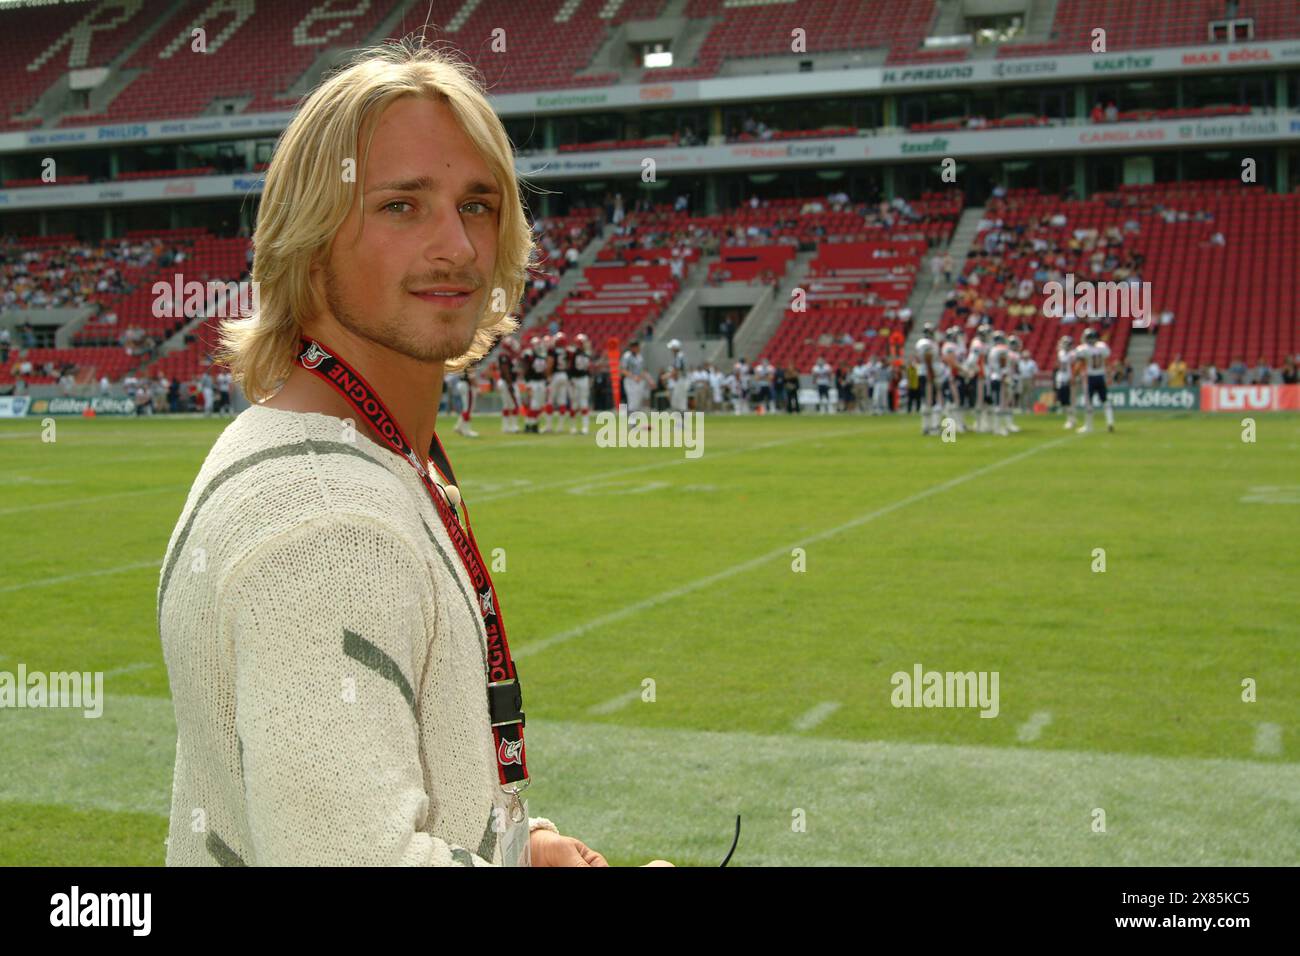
1138, 398
1135, 398
1250, 398
77, 406
13, 406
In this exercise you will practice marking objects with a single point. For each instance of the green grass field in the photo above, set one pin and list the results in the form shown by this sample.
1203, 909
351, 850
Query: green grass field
1119, 691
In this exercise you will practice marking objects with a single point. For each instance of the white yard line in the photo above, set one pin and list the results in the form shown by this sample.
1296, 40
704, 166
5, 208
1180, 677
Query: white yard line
78, 502
646, 792
1032, 729
1268, 740
600, 476
80, 441
809, 720
615, 704
468, 447
99, 463
781, 552
129, 669
65, 578
22, 478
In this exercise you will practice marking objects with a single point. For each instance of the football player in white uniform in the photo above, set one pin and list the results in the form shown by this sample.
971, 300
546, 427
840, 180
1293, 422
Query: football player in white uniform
1011, 384
824, 379
878, 378
1064, 378
951, 354
1026, 375
975, 375
764, 379
859, 375
580, 381
455, 401
679, 389
466, 386
632, 369
676, 360
927, 368
743, 373
1096, 357
997, 367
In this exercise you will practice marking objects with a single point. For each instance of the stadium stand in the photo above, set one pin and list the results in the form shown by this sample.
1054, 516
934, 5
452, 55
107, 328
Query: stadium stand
617, 301
218, 257
552, 41
255, 62
27, 41
1222, 300
1154, 23
259, 54
193, 359
841, 336
755, 243
865, 257
60, 271
756, 30
856, 298
965, 123
165, 173
747, 262
196, 257
789, 220
250, 55
116, 278
659, 142
47, 365
28, 183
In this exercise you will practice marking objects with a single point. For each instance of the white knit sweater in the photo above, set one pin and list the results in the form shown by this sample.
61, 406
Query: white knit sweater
327, 660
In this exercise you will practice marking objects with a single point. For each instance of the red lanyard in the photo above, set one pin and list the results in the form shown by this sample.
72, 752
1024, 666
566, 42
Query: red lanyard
505, 699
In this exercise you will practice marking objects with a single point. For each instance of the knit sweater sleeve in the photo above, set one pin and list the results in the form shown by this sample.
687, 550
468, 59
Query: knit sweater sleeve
329, 625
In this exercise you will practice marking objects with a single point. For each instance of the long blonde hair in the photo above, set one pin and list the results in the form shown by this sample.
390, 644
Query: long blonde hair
305, 201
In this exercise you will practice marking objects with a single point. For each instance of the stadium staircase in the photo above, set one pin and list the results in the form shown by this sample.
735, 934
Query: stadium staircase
689, 40
761, 323
932, 298
176, 341
682, 321
679, 318
948, 19
1155, 23
687, 36
1039, 19
334, 56
57, 101
1141, 346
540, 313
70, 322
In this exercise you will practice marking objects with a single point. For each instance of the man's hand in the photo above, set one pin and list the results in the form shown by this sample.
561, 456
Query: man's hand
548, 848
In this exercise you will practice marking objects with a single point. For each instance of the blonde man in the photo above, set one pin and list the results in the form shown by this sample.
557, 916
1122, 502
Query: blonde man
339, 665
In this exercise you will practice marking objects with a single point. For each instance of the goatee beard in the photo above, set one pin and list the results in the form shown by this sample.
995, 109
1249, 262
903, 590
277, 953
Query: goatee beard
388, 335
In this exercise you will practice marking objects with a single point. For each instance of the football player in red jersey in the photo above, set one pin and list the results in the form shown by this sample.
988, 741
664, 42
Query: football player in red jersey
507, 356
580, 383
